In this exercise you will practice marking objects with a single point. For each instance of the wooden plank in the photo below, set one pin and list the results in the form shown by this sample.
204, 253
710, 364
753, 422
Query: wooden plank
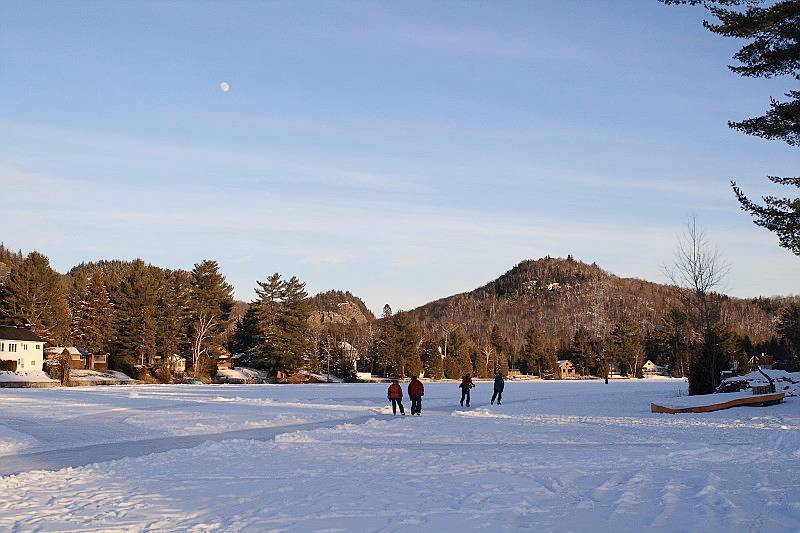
750, 400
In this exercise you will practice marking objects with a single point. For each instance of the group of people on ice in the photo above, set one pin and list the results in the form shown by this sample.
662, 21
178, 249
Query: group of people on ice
416, 390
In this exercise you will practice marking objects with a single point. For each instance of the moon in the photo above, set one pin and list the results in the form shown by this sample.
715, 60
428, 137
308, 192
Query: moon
224, 86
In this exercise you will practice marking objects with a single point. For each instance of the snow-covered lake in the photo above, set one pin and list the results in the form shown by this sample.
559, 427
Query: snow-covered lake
556, 456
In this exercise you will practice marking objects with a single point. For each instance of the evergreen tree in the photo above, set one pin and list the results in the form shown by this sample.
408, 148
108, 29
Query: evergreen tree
789, 331
92, 314
706, 363
78, 287
266, 310
172, 316
582, 352
211, 303
432, 359
407, 359
460, 355
386, 348
293, 324
534, 354
245, 331
275, 330
33, 296
625, 346
773, 49
135, 302
677, 335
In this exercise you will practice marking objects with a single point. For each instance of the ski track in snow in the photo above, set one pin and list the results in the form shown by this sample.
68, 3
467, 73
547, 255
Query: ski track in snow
554, 457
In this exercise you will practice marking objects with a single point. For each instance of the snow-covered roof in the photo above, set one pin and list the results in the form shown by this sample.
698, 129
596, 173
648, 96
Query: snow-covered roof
563, 362
58, 350
12, 333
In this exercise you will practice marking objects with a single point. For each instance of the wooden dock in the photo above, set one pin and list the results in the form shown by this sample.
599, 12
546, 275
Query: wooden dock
724, 401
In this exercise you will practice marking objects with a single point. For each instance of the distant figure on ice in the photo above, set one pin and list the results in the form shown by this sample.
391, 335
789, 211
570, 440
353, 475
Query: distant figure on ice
499, 385
395, 395
416, 390
466, 385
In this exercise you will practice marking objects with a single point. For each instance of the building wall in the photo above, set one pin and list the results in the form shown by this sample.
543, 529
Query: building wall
29, 355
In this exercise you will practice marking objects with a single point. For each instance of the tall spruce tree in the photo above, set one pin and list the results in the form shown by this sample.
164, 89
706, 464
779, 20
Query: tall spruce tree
173, 308
293, 324
772, 29
625, 346
534, 354
92, 314
583, 353
259, 331
407, 359
386, 344
33, 295
245, 332
789, 331
677, 332
211, 303
135, 302
275, 330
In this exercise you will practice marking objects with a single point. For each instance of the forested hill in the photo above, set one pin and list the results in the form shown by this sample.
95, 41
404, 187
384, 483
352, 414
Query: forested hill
559, 296
338, 307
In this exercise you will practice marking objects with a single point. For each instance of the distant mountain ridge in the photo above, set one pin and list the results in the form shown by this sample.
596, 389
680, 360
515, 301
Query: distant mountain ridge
558, 296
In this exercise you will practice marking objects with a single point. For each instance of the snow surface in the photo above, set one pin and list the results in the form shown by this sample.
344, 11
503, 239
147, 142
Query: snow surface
98, 375
567, 456
22, 376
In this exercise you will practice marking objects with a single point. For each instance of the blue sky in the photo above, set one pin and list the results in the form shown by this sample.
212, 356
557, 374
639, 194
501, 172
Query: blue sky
402, 150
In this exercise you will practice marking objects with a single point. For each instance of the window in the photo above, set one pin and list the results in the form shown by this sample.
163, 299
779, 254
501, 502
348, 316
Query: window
12, 347
2, 347
21, 363
38, 346
33, 363
24, 346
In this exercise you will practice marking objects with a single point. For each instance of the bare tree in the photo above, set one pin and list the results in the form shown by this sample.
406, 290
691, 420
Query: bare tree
204, 326
699, 269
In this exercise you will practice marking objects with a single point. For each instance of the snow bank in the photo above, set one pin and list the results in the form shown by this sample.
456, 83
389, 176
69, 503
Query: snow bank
241, 375
14, 442
787, 382
99, 375
33, 376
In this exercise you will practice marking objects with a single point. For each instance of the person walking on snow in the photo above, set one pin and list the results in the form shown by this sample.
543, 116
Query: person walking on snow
416, 390
395, 396
499, 385
466, 385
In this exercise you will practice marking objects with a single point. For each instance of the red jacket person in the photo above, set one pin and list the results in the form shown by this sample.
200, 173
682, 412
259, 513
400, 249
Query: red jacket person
416, 390
395, 395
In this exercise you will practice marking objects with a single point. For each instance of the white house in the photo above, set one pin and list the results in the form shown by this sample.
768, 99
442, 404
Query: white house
22, 346
652, 369
349, 352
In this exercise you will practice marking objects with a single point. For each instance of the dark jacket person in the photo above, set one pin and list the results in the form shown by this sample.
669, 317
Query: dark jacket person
466, 386
499, 385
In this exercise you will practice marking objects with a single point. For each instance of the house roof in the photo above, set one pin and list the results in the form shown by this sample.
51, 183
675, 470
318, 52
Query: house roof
563, 362
11, 333
72, 350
